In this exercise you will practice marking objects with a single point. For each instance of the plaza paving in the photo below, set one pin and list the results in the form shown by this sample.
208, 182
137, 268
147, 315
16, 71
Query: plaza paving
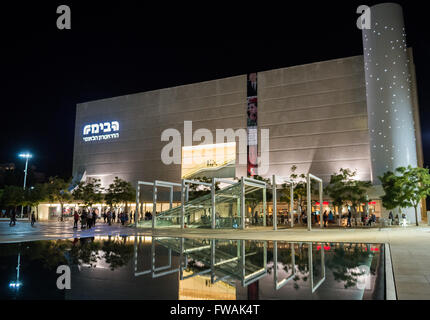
410, 246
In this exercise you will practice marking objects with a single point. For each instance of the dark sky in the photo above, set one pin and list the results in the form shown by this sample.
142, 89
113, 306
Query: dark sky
121, 48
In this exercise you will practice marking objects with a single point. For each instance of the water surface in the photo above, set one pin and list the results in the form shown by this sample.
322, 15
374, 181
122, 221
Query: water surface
129, 267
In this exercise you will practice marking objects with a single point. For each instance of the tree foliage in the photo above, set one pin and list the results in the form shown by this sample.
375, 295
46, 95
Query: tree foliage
300, 188
405, 188
346, 190
34, 196
89, 192
12, 196
57, 191
120, 191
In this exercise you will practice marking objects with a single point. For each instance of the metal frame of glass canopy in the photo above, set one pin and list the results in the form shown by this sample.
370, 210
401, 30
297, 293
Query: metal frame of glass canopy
234, 194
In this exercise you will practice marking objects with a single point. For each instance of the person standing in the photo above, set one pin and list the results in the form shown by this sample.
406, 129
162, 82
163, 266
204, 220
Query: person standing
109, 217
94, 218
89, 219
370, 220
390, 217
75, 220
113, 216
33, 218
325, 218
349, 218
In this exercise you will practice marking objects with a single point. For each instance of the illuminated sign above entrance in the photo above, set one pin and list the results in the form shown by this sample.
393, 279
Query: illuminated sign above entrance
101, 131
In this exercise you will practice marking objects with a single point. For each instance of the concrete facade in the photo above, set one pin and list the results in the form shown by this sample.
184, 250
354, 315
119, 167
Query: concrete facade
316, 114
317, 118
136, 154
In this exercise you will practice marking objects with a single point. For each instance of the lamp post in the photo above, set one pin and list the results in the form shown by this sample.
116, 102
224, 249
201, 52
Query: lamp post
25, 156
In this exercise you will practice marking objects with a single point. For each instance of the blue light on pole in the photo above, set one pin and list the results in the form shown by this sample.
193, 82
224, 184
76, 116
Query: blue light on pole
16, 284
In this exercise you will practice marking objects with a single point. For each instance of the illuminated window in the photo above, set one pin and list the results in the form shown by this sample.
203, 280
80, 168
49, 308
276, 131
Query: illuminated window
209, 160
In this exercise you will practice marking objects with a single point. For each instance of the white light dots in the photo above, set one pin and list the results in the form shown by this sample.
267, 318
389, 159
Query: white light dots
388, 103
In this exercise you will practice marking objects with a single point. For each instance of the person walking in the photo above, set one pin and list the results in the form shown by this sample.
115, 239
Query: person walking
33, 219
75, 220
330, 217
391, 218
349, 219
12, 218
113, 216
255, 217
325, 218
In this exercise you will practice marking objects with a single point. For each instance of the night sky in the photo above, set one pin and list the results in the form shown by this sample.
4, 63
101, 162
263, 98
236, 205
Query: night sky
122, 48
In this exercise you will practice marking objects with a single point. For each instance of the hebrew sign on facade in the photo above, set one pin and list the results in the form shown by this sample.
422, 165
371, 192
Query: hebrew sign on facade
101, 131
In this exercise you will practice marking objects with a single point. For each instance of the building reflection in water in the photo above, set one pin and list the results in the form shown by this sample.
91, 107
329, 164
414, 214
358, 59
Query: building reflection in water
232, 269
142, 267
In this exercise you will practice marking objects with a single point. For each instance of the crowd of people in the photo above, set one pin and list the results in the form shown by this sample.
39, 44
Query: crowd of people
328, 218
88, 218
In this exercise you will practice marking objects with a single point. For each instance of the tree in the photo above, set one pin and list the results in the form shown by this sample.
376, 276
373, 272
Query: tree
32, 197
299, 186
120, 191
406, 189
13, 196
391, 199
57, 192
89, 192
344, 189
334, 191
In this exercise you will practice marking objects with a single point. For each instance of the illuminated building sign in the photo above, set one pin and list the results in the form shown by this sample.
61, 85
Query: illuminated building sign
101, 131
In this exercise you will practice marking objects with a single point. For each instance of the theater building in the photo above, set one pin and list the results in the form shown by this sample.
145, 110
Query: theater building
357, 112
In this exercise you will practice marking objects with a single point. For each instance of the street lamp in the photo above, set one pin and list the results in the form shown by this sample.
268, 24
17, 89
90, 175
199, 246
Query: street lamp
25, 156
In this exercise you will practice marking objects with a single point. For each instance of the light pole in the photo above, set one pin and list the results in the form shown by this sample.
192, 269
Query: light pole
25, 156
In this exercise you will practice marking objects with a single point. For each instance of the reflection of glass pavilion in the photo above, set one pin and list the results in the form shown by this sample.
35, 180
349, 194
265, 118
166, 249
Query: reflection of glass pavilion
226, 261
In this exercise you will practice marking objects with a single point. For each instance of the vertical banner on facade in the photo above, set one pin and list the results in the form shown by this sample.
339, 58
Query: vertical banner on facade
252, 108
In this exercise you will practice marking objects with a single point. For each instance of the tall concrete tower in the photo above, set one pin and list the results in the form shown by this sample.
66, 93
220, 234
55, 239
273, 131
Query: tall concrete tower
389, 92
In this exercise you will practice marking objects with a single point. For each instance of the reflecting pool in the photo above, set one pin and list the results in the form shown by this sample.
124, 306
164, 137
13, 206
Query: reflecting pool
141, 267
